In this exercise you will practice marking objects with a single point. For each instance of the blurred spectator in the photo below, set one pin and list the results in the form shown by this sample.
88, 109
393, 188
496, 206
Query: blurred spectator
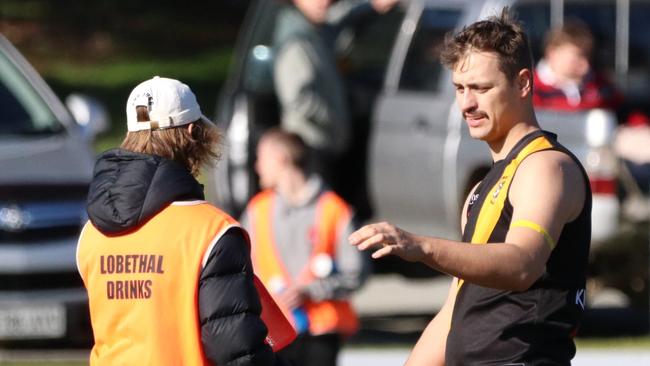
565, 78
299, 232
308, 85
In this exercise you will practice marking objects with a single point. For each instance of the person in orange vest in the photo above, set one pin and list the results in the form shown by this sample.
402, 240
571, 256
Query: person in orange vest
298, 231
168, 275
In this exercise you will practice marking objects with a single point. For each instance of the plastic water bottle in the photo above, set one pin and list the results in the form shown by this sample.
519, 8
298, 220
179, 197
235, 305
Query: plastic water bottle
301, 321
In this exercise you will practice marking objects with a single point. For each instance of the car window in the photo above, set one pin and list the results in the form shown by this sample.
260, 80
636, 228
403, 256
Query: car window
639, 40
367, 48
422, 68
257, 57
601, 18
22, 110
536, 18
263, 31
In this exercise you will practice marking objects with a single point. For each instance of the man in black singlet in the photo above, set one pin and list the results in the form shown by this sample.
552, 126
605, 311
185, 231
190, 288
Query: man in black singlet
518, 288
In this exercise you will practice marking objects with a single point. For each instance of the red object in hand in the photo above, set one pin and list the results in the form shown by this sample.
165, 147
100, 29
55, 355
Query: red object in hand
281, 332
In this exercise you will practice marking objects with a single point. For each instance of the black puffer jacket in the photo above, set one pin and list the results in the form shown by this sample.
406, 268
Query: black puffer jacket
127, 190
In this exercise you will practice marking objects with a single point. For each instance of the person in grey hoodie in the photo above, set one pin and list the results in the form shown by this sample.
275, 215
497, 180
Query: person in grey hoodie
299, 230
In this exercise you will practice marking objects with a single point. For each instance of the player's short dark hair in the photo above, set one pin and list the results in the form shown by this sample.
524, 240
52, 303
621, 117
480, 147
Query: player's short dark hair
501, 34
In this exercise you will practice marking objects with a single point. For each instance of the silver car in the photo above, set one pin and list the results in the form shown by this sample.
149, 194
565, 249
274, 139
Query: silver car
46, 163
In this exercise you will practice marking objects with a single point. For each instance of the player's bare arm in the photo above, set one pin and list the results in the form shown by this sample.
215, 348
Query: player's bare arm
547, 190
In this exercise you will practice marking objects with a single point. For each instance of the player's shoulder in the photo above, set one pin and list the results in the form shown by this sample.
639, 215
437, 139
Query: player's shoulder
549, 159
547, 167
550, 178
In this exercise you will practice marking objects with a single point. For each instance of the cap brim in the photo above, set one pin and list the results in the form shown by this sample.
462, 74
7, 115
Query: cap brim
208, 121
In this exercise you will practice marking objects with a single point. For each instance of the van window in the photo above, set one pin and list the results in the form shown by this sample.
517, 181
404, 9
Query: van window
365, 57
536, 19
639, 40
22, 110
601, 18
257, 57
422, 68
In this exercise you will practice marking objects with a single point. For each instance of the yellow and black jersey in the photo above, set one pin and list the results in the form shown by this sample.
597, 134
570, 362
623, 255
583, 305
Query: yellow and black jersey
532, 327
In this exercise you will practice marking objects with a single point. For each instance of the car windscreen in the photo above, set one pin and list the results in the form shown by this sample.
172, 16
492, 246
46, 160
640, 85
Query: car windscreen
422, 68
22, 110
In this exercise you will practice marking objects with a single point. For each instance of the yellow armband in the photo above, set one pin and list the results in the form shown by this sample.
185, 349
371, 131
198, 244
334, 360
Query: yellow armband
539, 229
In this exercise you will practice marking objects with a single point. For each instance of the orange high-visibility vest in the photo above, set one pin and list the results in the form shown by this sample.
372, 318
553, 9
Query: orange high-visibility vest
332, 214
143, 286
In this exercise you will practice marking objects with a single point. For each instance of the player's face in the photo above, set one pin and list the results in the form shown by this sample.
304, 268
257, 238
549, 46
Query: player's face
485, 96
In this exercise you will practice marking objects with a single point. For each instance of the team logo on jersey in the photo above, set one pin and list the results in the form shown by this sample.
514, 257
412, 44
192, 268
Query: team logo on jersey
498, 190
580, 298
473, 199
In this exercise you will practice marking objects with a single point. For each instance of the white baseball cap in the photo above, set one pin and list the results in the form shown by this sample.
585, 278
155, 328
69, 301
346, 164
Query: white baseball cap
170, 104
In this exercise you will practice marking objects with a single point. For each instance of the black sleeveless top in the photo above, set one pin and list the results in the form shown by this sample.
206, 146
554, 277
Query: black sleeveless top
532, 327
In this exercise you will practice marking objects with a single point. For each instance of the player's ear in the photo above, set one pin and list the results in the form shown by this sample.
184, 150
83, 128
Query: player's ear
524, 82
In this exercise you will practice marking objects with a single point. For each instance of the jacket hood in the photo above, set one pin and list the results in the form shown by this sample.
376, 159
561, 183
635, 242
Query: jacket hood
129, 188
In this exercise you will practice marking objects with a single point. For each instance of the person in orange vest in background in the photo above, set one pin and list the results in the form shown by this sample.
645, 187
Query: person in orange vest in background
169, 276
298, 231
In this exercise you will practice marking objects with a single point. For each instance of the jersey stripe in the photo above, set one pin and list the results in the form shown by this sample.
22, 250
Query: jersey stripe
495, 200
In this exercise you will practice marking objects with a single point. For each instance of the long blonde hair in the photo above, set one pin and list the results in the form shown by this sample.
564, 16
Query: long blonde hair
193, 150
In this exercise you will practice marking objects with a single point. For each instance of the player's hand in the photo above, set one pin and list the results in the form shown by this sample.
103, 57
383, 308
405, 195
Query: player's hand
387, 239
